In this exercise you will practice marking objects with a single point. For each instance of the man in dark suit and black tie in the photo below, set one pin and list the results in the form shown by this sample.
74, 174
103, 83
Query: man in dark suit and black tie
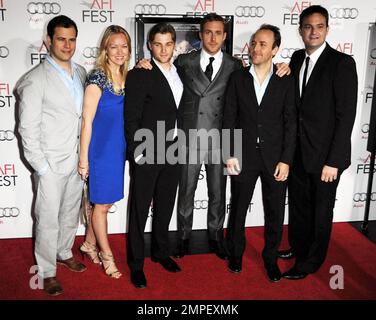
205, 74
152, 100
262, 105
326, 97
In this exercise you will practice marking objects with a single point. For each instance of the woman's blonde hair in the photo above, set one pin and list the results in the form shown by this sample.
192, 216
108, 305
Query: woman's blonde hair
102, 62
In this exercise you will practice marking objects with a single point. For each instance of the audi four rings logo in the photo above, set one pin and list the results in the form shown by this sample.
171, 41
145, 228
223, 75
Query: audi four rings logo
344, 13
365, 128
91, 52
9, 212
43, 7
156, 9
201, 204
373, 53
249, 12
362, 197
4, 52
287, 52
6, 135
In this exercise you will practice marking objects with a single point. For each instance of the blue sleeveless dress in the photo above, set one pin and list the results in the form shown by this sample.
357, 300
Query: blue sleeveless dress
107, 149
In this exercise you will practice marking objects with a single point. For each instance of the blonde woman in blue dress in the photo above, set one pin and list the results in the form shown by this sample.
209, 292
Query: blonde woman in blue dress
103, 145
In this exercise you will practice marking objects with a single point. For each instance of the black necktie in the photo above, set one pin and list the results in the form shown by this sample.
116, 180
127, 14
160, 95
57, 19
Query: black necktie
209, 69
305, 76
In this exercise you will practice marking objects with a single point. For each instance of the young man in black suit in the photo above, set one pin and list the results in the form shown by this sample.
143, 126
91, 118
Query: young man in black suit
152, 100
262, 105
326, 96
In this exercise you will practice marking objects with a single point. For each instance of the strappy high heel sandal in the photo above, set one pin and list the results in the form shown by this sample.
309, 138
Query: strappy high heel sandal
91, 251
109, 265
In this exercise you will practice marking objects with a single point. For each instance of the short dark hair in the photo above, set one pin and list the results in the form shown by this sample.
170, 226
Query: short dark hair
311, 10
163, 28
60, 21
212, 17
274, 29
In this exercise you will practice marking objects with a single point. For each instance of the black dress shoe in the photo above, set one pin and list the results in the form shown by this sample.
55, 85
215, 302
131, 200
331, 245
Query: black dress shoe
273, 272
286, 254
182, 249
235, 264
138, 279
167, 263
217, 248
294, 274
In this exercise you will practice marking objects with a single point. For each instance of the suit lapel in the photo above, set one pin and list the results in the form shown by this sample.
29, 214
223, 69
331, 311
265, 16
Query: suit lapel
201, 81
269, 88
222, 70
250, 87
296, 71
318, 68
60, 86
164, 83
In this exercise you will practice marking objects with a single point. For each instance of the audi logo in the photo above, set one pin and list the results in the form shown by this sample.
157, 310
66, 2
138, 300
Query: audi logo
91, 52
287, 52
9, 212
112, 209
201, 204
373, 53
6, 135
362, 197
156, 9
365, 128
43, 7
249, 12
4, 52
344, 13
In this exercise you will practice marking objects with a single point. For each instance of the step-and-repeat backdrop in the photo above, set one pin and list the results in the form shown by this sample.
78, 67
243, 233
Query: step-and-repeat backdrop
22, 31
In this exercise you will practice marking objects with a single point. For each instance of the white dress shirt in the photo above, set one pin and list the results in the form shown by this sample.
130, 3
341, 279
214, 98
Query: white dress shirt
204, 61
176, 87
312, 61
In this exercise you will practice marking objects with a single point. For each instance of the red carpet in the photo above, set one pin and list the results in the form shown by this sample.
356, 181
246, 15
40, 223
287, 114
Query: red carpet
203, 276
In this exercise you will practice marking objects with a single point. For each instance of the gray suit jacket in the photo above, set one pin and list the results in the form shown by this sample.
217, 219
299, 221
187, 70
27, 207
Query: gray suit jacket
202, 103
49, 122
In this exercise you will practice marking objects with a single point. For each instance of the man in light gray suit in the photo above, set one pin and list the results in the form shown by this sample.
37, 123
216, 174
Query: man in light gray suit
51, 97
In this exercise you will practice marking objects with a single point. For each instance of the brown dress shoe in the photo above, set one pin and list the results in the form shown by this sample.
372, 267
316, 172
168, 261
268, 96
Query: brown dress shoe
72, 264
52, 287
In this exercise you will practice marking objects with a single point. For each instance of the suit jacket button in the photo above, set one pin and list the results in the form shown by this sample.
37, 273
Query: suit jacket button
201, 113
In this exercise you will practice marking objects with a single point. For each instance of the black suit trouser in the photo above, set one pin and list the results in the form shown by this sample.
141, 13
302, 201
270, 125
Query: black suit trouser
311, 204
158, 183
216, 184
273, 197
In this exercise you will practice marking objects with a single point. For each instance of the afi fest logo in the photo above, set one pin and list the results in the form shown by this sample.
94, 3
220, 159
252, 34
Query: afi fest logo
8, 175
242, 53
202, 7
292, 17
364, 167
38, 53
99, 11
2, 10
368, 95
345, 47
5, 95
